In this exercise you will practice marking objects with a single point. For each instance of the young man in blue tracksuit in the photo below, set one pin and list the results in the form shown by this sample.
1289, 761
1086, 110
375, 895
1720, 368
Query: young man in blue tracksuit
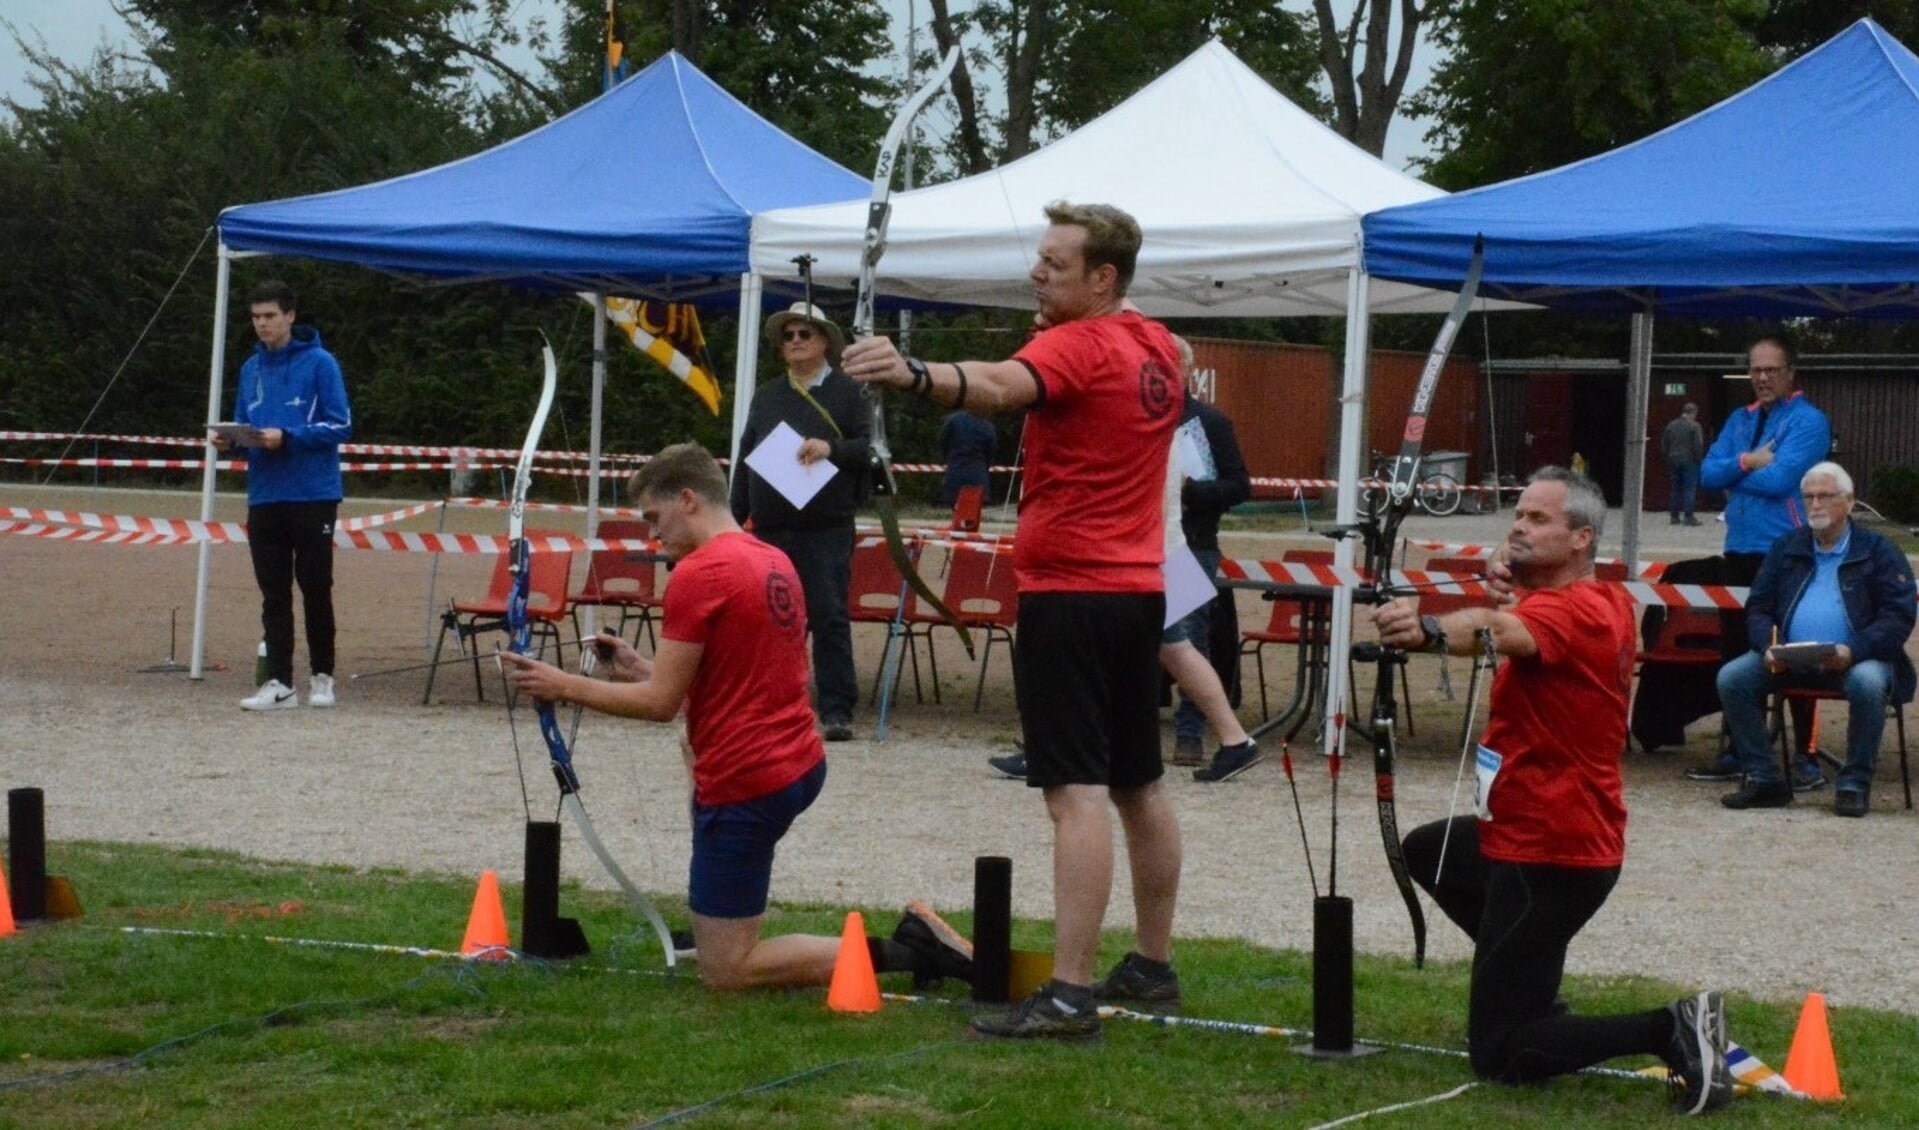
292, 392
1762, 452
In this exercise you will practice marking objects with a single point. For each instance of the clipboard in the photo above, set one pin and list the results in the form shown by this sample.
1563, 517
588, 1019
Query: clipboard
239, 435
1804, 658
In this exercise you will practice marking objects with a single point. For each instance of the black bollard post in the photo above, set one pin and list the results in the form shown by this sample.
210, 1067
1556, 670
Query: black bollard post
1333, 980
992, 927
543, 933
27, 853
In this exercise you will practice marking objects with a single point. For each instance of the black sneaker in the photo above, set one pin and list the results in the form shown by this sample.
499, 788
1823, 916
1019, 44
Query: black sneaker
1772, 794
837, 731
1230, 761
1042, 1016
1851, 802
1136, 983
1697, 1055
1012, 765
1807, 776
1725, 767
939, 951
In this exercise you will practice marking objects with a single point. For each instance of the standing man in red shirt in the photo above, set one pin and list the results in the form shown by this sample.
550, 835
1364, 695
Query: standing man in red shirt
1544, 849
1101, 387
733, 653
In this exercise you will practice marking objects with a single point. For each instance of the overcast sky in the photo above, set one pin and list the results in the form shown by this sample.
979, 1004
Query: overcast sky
73, 29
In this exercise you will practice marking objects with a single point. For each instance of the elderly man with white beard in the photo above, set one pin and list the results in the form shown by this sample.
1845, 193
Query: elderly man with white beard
1847, 590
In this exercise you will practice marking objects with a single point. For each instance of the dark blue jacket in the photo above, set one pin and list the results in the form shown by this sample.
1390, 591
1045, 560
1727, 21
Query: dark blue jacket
297, 389
1762, 505
1875, 584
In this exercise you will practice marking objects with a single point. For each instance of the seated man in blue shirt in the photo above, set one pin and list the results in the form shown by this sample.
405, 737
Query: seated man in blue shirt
1828, 582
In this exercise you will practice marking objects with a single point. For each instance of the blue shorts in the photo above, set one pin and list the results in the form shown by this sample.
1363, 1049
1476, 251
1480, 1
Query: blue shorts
733, 848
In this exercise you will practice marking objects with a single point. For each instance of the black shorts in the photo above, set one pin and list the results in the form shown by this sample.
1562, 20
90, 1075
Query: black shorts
1086, 675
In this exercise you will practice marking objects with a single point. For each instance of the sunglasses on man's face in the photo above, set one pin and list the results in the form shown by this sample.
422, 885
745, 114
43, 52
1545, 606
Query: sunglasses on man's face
797, 335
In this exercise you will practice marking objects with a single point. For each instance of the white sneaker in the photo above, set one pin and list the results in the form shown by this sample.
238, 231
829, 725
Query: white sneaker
320, 691
272, 695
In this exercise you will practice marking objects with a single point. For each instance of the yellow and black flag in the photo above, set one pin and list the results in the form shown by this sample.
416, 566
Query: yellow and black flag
617, 68
669, 333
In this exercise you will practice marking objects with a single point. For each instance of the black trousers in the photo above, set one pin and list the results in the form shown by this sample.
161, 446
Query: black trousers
294, 541
824, 561
1521, 918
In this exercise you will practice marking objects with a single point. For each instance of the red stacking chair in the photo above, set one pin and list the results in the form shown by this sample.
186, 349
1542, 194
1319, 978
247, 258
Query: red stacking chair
625, 579
967, 508
545, 608
877, 595
1284, 626
983, 591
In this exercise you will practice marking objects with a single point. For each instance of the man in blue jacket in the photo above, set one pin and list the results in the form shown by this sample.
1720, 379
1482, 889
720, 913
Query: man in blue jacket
1762, 452
1828, 583
292, 394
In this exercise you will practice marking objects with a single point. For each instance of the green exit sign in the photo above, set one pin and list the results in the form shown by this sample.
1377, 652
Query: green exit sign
1675, 389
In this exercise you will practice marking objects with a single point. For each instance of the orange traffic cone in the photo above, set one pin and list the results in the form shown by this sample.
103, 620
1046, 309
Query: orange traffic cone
6, 908
1810, 1067
486, 934
855, 988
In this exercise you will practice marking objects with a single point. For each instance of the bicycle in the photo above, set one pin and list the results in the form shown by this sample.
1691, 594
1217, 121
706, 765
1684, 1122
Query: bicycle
1437, 493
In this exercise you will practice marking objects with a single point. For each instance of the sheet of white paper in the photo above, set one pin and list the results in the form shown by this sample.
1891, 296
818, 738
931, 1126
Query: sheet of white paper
1190, 456
777, 460
1187, 585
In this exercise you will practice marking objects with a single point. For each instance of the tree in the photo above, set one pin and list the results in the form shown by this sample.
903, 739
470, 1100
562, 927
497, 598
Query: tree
1528, 85
1057, 60
1365, 99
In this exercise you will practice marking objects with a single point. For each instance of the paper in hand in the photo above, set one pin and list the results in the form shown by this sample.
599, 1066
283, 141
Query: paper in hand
777, 460
1187, 585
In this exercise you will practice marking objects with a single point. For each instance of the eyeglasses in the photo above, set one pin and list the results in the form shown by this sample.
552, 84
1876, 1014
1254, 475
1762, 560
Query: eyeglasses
1768, 370
1820, 498
797, 335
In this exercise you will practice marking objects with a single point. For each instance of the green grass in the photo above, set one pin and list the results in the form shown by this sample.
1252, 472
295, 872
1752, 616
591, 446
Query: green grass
232, 1031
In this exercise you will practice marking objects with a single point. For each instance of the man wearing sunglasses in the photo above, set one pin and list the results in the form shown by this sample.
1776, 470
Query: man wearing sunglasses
1848, 593
816, 400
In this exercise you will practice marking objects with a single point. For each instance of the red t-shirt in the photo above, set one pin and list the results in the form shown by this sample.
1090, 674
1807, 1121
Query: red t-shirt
1559, 720
747, 712
1096, 443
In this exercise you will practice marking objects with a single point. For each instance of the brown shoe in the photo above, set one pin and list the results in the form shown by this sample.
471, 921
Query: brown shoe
1189, 752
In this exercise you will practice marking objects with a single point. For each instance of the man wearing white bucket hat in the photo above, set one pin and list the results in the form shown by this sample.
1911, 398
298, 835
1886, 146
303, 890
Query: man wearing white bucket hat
826, 409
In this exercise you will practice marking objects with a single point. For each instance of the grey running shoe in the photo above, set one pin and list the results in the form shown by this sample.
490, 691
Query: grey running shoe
1012, 765
939, 951
1042, 1016
1136, 984
1697, 1055
1725, 767
1230, 761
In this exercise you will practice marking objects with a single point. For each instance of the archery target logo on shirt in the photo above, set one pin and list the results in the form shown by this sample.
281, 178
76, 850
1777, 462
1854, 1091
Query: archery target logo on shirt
782, 603
1156, 387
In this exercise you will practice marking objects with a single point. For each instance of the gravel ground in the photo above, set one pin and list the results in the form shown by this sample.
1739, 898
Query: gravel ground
382, 781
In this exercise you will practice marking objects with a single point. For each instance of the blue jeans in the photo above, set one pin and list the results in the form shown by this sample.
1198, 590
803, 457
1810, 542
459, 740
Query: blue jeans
1685, 488
1744, 683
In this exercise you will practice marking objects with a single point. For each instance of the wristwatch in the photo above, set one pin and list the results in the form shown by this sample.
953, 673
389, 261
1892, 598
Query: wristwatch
922, 380
1435, 635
